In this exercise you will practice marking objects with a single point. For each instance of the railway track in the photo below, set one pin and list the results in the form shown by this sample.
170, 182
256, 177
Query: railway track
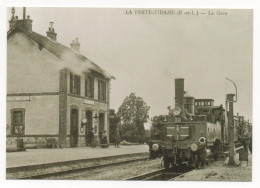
71, 171
163, 174
71, 167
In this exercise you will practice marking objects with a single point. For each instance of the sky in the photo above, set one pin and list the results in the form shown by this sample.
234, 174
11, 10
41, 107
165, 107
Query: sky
146, 52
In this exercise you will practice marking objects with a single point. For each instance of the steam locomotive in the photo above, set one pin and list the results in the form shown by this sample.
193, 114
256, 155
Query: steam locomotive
191, 131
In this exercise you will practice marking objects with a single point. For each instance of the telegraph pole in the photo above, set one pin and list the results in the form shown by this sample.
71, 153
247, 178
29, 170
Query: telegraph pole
230, 100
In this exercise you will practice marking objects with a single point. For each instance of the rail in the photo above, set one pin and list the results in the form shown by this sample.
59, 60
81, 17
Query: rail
162, 174
81, 169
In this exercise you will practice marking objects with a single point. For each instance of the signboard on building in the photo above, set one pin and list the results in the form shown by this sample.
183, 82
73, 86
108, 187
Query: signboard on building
86, 101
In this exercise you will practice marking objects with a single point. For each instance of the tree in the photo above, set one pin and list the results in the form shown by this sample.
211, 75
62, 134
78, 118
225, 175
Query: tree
133, 113
113, 122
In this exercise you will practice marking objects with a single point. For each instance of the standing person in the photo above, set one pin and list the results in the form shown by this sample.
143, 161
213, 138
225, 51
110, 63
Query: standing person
250, 145
104, 142
86, 137
91, 136
117, 138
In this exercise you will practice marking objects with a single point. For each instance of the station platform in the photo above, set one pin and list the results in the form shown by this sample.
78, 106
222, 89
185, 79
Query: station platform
44, 156
219, 171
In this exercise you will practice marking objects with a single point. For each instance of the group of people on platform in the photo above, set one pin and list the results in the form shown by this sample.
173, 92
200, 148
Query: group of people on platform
90, 141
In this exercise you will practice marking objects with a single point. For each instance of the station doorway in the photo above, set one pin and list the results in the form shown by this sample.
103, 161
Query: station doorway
88, 128
74, 127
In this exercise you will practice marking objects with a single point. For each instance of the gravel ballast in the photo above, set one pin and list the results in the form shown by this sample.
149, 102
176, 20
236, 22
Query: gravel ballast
216, 171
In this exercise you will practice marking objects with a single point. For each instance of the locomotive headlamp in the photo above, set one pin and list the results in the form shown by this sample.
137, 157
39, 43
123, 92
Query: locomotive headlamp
202, 140
194, 147
155, 147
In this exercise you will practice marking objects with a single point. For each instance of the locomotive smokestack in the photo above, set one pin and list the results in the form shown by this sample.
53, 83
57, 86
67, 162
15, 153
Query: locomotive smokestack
24, 13
179, 94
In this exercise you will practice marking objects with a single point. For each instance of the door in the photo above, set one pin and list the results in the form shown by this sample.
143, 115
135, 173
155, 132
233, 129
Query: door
89, 117
89, 120
74, 124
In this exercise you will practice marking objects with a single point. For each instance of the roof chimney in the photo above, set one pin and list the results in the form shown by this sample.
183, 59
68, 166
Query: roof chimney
13, 19
25, 24
75, 45
51, 33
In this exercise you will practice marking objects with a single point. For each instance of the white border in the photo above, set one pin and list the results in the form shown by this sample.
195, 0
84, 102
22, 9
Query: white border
232, 4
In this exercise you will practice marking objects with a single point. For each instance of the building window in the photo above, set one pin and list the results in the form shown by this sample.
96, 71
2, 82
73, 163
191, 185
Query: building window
17, 121
89, 86
101, 90
74, 84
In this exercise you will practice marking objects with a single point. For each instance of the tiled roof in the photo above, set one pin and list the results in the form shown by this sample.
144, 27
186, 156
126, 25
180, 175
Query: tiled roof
59, 50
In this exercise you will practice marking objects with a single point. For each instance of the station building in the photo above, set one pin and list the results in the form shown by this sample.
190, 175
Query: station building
51, 88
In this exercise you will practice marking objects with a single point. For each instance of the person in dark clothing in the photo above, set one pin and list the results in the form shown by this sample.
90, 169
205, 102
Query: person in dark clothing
250, 144
103, 141
216, 149
117, 138
90, 137
201, 157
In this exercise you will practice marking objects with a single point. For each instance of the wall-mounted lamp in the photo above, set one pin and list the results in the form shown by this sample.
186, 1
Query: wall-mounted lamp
83, 124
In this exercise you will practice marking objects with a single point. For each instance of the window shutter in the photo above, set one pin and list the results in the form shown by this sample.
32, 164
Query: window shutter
79, 85
86, 86
71, 83
92, 87
99, 90
75, 84
105, 91
12, 123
